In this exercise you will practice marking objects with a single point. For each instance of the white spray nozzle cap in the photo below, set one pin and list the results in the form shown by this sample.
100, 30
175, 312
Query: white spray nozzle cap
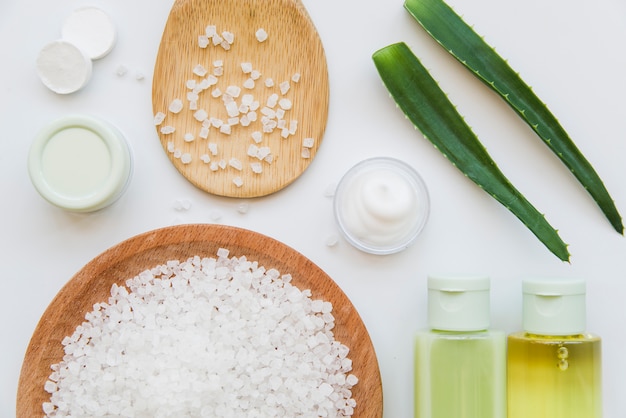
458, 303
554, 306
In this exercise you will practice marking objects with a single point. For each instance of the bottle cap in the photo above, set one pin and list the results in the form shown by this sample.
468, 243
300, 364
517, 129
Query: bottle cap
458, 303
554, 306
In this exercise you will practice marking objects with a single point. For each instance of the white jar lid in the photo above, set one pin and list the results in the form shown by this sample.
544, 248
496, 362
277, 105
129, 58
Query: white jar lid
458, 303
80, 163
554, 306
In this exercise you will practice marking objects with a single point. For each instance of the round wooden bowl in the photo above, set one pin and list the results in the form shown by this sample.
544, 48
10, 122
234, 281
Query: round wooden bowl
93, 282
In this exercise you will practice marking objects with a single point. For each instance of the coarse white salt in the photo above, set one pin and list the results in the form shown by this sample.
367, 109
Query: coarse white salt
204, 132
249, 83
212, 148
261, 35
238, 181
159, 117
176, 106
200, 115
272, 100
256, 167
216, 122
166, 130
296, 77
233, 91
255, 75
203, 41
252, 150
186, 158
284, 87
205, 158
235, 163
216, 39
226, 129
190, 84
285, 104
199, 70
188, 137
305, 153
171, 147
246, 67
257, 136
218, 71
232, 109
308, 142
210, 30
216, 92
269, 82
228, 36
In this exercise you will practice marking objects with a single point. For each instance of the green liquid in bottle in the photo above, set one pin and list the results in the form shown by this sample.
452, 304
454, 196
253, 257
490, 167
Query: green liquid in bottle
460, 375
554, 377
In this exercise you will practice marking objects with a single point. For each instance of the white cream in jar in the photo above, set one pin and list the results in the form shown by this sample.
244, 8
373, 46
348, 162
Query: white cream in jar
381, 205
80, 163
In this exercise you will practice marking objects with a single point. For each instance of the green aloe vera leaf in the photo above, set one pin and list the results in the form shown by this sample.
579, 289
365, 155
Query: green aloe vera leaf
460, 40
418, 95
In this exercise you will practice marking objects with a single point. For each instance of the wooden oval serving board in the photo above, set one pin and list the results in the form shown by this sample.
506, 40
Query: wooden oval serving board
92, 284
293, 46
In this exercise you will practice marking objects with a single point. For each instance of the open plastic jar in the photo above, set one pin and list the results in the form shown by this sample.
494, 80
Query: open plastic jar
381, 205
80, 163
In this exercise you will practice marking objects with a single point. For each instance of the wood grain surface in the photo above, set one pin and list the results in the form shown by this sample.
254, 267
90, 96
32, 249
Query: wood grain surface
92, 284
293, 46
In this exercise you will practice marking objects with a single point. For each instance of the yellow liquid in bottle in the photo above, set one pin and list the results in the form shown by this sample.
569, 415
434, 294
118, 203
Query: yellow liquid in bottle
554, 377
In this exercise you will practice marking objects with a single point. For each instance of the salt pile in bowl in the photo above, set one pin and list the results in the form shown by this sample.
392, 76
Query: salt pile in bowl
206, 337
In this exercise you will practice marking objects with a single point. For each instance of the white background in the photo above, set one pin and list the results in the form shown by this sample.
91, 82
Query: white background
571, 52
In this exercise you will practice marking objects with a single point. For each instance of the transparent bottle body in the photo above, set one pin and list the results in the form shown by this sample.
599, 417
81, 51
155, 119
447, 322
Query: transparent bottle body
554, 377
460, 375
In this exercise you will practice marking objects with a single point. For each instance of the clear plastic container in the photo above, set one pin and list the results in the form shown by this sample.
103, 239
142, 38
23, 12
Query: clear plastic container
381, 205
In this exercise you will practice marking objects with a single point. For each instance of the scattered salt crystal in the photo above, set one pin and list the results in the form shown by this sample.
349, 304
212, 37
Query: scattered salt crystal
284, 87
256, 167
249, 83
190, 84
305, 153
225, 129
121, 70
199, 70
210, 30
235, 163
246, 67
200, 115
238, 181
332, 240
216, 92
176, 106
204, 132
188, 137
159, 117
228, 36
233, 91
269, 82
212, 148
243, 207
295, 77
203, 41
166, 130
255, 75
205, 158
261, 35
308, 142
285, 104
182, 204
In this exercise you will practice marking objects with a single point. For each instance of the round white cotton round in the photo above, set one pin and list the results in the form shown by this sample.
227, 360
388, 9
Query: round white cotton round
91, 30
63, 67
